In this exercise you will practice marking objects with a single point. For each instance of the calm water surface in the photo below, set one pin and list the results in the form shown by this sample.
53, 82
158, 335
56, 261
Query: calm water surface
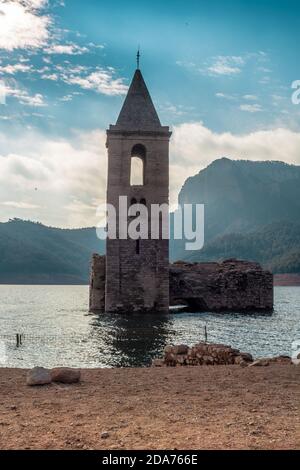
59, 331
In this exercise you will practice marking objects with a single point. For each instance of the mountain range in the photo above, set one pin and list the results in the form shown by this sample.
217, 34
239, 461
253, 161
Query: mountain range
251, 212
31, 253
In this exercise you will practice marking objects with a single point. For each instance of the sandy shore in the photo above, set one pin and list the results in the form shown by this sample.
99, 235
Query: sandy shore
222, 407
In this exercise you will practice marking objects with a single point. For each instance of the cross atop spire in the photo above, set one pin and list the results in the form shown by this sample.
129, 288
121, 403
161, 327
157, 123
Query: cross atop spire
138, 58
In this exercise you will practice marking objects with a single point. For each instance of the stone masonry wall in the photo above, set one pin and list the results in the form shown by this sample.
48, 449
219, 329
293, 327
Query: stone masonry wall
202, 354
231, 285
137, 278
97, 283
228, 286
210, 354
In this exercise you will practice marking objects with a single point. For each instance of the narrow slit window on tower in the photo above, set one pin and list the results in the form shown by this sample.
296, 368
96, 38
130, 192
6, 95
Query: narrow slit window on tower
137, 170
138, 246
134, 201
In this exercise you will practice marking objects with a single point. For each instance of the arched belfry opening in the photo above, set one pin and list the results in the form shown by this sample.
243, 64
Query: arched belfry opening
138, 165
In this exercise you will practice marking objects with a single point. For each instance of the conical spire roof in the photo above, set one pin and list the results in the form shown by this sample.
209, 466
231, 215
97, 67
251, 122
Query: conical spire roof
138, 112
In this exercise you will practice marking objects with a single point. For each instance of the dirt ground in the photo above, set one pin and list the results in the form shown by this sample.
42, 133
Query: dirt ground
221, 407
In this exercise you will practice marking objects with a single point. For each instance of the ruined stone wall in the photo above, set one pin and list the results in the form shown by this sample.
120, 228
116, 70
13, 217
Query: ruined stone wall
228, 286
97, 283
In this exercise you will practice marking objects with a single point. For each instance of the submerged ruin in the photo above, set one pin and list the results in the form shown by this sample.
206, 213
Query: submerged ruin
231, 285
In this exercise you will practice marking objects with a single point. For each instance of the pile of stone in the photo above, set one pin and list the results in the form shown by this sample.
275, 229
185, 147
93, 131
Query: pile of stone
42, 376
202, 354
212, 355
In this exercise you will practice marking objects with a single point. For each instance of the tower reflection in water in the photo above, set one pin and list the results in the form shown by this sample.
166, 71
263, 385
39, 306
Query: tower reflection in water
131, 340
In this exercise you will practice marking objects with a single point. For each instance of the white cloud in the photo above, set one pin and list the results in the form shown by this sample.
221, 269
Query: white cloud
193, 147
2, 92
67, 178
278, 97
22, 25
226, 65
20, 205
66, 98
36, 100
96, 46
250, 97
67, 49
251, 108
217, 66
50, 76
12, 69
175, 110
34, 4
225, 96
101, 81
185, 64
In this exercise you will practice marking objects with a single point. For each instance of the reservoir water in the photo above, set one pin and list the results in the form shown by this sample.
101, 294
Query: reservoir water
57, 329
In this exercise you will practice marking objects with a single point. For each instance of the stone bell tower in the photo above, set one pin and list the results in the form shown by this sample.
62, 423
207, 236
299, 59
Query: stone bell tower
137, 271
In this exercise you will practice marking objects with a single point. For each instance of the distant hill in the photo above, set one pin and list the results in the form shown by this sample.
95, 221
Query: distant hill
241, 196
33, 253
251, 212
276, 246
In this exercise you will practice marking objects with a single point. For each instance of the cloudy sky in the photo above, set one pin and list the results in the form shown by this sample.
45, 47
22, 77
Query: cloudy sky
220, 74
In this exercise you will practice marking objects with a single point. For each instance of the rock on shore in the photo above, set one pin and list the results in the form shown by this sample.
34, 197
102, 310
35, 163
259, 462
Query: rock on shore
38, 376
41, 376
65, 375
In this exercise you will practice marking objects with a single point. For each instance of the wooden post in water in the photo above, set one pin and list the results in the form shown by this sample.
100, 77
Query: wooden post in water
18, 340
205, 333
